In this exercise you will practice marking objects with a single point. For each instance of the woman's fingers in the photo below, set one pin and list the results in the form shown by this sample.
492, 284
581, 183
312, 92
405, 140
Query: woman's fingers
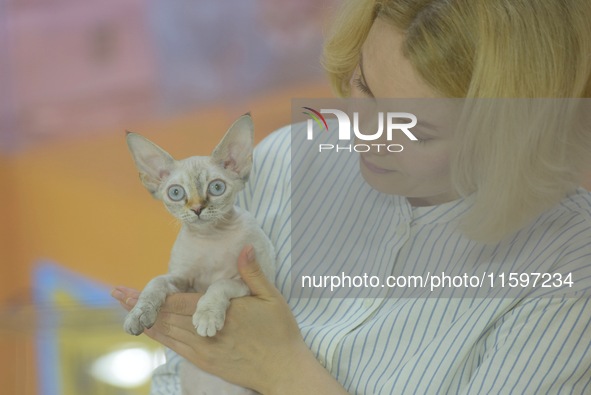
127, 297
123, 293
183, 304
172, 325
176, 332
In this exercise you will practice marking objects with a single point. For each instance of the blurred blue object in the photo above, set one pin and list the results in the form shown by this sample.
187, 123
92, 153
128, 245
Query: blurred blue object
59, 296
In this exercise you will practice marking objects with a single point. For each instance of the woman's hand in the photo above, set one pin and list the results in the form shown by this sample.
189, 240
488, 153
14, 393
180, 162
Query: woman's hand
260, 345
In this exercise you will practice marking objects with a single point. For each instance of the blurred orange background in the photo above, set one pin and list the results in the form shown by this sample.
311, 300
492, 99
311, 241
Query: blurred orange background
74, 75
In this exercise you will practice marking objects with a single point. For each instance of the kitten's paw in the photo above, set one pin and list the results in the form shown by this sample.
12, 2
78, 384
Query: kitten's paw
140, 318
208, 320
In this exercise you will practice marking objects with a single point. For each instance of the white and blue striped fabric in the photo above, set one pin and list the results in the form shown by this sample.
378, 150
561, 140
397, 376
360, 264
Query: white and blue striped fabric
458, 344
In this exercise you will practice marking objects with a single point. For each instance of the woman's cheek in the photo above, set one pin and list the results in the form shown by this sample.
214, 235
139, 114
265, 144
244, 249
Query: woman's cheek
425, 162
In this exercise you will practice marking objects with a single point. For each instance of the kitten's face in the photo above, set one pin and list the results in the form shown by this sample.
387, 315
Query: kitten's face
200, 189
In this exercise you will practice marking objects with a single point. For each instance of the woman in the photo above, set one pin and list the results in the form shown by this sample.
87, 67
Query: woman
454, 196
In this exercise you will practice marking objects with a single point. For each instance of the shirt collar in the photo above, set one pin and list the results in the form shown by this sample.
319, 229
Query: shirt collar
445, 212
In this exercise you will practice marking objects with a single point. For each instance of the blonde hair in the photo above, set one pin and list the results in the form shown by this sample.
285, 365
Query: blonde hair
494, 49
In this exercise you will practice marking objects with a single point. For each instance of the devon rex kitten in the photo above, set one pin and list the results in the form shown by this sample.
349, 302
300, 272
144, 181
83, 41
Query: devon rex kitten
200, 191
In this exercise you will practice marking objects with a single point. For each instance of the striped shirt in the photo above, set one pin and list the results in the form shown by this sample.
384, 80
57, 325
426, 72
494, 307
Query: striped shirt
317, 209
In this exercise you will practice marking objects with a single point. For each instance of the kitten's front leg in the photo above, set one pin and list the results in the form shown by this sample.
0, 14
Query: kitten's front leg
143, 315
211, 309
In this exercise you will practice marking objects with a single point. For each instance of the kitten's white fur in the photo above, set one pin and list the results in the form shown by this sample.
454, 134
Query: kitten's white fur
213, 233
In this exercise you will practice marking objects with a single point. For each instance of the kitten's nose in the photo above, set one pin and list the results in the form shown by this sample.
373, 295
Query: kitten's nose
197, 210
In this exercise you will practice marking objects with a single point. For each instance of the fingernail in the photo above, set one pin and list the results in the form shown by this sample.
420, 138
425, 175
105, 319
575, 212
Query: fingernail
117, 294
130, 301
250, 254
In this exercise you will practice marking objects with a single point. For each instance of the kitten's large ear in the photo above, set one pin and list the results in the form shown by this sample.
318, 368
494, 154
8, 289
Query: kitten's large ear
153, 163
234, 152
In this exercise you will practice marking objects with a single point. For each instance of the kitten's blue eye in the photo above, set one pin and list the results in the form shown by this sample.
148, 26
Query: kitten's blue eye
176, 193
216, 187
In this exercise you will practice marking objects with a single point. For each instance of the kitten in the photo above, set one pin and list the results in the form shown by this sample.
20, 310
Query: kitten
200, 191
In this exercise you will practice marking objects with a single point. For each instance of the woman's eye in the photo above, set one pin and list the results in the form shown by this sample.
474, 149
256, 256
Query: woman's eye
176, 193
362, 87
216, 187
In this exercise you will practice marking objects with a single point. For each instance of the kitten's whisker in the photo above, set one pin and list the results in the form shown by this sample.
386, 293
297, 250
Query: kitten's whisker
174, 221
